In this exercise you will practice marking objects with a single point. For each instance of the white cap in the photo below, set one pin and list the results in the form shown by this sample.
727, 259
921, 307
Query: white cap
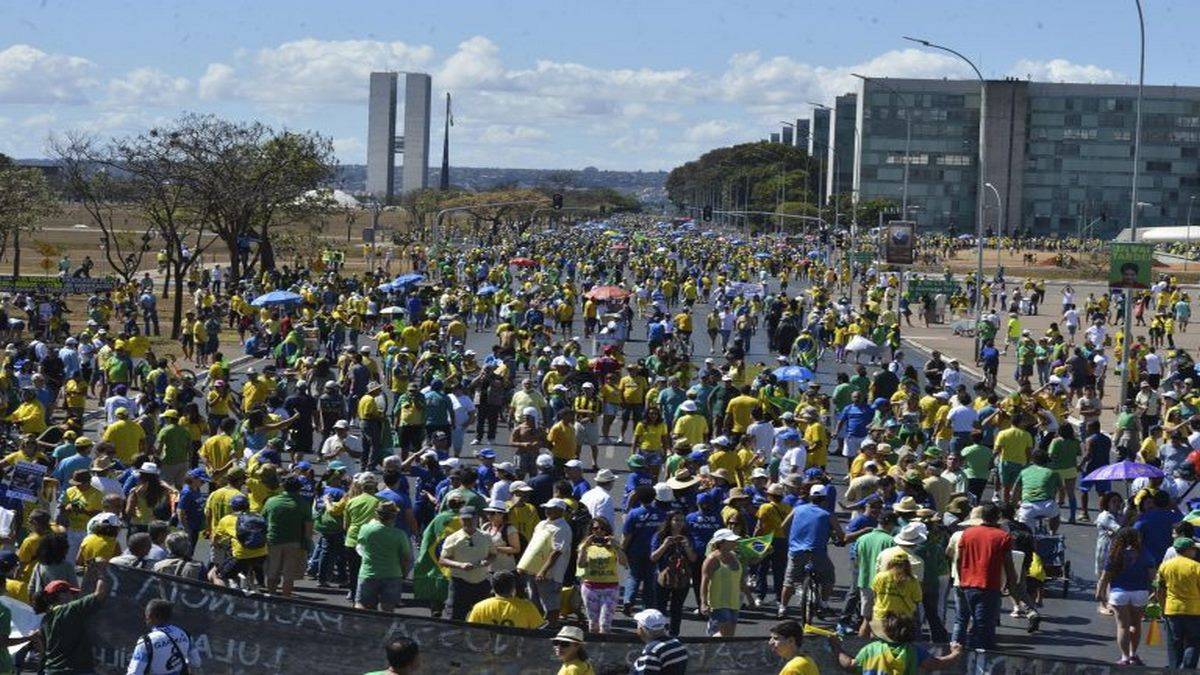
688, 406
149, 467
341, 424
817, 490
105, 518
505, 466
451, 462
605, 476
722, 441
555, 503
663, 492
650, 619
724, 534
519, 486
545, 461
529, 411
588, 385
574, 464
759, 472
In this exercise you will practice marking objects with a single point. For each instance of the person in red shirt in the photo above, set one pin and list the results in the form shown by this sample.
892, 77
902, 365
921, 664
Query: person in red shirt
985, 568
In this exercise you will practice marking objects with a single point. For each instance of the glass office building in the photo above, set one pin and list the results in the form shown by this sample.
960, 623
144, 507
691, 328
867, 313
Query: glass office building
1059, 155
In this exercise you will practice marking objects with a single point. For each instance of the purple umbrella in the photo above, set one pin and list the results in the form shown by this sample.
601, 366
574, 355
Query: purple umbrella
1125, 470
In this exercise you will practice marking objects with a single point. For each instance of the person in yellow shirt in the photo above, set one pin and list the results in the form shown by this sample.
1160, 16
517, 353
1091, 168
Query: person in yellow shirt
248, 558
816, 436
650, 435
786, 638
738, 412
127, 436
562, 440
568, 648
504, 608
610, 396
723, 457
80, 503
218, 504
690, 424
101, 542
30, 416
75, 396
220, 404
1012, 446
633, 396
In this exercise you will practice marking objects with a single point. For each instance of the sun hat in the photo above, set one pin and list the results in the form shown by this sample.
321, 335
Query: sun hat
906, 505
605, 476
682, 480
912, 534
663, 492
569, 634
724, 534
650, 619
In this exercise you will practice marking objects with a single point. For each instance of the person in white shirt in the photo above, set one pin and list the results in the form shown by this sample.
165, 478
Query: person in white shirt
1070, 319
1153, 368
962, 417
794, 452
502, 488
952, 377
463, 414
762, 431
341, 441
598, 500
1096, 333
165, 649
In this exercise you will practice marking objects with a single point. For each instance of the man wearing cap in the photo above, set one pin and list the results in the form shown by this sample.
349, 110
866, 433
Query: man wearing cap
289, 534
466, 552
341, 442
811, 529
642, 520
127, 436
544, 561
690, 424
770, 520
370, 419
80, 502
853, 422
174, 446
409, 414
598, 499
662, 653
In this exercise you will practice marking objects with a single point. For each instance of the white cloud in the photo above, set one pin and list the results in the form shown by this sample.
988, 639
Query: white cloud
311, 71
148, 86
710, 131
641, 140
351, 149
476, 63
497, 134
1062, 70
30, 75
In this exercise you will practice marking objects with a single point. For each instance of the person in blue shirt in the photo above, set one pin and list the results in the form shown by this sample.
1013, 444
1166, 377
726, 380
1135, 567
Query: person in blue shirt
816, 474
853, 423
190, 506
79, 459
641, 522
574, 474
543, 482
405, 520
640, 476
428, 474
1155, 525
308, 483
757, 490
486, 471
702, 523
810, 530
989, 356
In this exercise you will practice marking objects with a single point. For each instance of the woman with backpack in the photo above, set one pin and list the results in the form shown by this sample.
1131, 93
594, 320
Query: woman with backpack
672, 553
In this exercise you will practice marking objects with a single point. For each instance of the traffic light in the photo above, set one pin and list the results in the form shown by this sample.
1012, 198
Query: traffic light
707, 213
557, 200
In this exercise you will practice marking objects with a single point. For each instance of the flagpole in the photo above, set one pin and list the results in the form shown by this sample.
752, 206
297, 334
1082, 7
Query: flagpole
445, 183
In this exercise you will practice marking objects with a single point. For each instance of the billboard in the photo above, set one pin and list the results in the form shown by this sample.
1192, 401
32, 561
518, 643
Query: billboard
899, 243
69, 285
1130, 265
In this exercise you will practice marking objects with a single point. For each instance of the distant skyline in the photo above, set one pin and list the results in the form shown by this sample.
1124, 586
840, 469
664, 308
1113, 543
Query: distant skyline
538, 84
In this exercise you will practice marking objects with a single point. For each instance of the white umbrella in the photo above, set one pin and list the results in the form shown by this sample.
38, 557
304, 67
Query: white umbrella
859, 343
388, 311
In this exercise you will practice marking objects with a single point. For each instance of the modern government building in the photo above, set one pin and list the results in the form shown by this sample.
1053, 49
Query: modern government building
1058, 155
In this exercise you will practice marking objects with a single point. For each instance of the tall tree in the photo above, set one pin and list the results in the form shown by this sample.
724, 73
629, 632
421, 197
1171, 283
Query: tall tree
26, 198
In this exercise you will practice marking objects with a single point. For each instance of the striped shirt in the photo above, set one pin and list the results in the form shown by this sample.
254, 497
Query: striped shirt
666, 656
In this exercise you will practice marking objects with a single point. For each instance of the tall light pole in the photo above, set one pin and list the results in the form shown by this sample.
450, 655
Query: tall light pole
1188, 251
832, 159
999, 220
1133, 203
979, 192
907, 135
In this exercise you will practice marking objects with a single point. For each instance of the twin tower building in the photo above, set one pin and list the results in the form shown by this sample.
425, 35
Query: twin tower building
382, 142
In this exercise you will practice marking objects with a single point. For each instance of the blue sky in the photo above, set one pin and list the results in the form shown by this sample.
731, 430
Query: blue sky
538, 83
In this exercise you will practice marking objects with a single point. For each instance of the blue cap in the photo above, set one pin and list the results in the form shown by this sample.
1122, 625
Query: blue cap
199, 473
486, 453
814, 472
334, 493
698, 456
880, 401
789, 435
706, 499
303, 466
239, 501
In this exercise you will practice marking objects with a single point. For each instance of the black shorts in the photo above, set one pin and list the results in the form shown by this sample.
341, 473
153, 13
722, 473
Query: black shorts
631, 412
235, 566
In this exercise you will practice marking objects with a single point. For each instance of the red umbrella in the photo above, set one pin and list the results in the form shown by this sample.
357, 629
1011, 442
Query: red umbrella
620, 247
523, 262
607, 293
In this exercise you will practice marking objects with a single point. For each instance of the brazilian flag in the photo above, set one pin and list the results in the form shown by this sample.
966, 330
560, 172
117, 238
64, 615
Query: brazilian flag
431, 582
749, 550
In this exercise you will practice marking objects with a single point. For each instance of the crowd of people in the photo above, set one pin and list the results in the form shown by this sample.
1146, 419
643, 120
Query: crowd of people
373, 445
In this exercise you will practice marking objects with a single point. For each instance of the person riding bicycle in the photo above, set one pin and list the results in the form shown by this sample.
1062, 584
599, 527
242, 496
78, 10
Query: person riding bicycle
810, 529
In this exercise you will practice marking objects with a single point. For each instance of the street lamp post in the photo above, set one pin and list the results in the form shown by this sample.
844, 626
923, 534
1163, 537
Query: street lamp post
1133, 203
1188, 251
832, 162
979, 191
999, 220
907, 136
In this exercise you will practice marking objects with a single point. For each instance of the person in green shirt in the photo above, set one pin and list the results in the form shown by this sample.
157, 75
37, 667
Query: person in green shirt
174, 445
1037, 489
1064, 459
386, 558
68, 645
289, 535
977, 460
867, 550
403, 657
841, 393
359, 511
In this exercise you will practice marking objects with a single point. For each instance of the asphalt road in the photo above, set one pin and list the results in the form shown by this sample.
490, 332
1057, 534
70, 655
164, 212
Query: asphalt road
1071, 628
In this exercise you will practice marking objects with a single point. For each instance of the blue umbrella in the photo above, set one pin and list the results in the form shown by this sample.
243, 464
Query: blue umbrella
793, 374
407, 280
1125, 470
276, 298
486, 289
762, 255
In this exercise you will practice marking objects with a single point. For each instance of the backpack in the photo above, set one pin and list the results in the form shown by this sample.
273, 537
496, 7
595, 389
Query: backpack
178, 658
251, 530
677, 573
